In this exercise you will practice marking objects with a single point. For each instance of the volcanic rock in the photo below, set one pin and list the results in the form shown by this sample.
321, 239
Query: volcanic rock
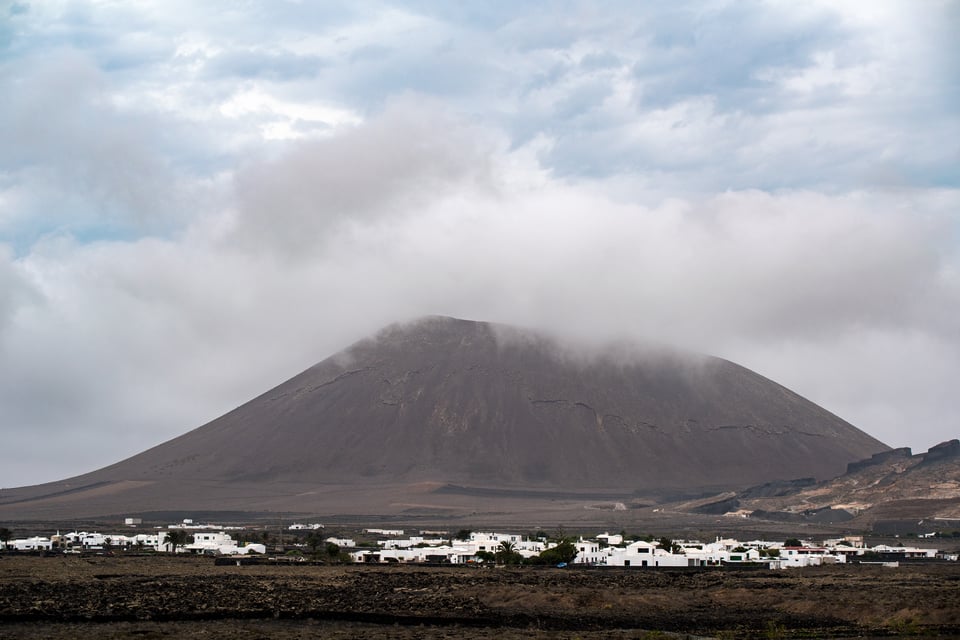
892, 485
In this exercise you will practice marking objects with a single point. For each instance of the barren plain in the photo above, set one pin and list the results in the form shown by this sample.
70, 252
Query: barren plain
187, 597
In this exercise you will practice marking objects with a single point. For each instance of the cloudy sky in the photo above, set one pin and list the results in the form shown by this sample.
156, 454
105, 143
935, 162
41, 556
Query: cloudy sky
200, 199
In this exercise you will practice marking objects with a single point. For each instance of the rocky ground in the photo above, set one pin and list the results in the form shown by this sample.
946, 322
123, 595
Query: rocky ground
162, 596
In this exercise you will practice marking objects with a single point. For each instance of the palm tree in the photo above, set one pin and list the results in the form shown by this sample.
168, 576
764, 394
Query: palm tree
5, 535
177, 537
507, 554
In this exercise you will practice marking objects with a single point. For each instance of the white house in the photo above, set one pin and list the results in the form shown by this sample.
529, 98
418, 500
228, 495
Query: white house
487, 541
385, 532
612, 539
341, 542
150, 540
491, 542
412, 541
649, 554
220, 543
791, 557
460, 553
35, 543
906, 552
590, 552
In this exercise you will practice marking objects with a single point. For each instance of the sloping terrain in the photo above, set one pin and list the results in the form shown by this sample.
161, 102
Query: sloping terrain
400, 418
891, 485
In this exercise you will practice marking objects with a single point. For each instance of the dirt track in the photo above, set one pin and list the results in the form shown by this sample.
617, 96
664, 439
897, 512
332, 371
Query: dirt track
190, 597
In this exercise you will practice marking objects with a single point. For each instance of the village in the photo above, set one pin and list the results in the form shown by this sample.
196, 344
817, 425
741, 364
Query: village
389, 546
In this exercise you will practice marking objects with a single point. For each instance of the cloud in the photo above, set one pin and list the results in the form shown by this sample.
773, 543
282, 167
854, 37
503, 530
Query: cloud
198, 201
13, 290
267, 63
72, 159
410, 154
393, 219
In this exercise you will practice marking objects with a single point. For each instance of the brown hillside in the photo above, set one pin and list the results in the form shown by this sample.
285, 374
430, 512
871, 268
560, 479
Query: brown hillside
890, 485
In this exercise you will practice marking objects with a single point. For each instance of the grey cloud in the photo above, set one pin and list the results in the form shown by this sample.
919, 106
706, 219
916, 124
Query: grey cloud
275, 65
406, 156
59, 133
602, 60
718, 52
370, 52
13, 290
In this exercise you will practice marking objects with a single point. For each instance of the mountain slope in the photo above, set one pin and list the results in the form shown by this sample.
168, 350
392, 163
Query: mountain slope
443, 401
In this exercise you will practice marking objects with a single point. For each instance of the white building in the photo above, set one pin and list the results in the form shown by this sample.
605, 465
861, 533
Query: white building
458, 552
645, 554
611, 539
792, 557
35, 543
412, 541
341, 542
443, 554
905, 552
385, 532
220, 543
492, 542
590, 552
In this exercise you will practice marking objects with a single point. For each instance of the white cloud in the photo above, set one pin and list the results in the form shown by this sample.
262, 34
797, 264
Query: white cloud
283, 117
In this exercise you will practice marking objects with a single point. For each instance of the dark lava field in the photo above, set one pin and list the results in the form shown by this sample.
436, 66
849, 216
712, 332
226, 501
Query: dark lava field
162, 596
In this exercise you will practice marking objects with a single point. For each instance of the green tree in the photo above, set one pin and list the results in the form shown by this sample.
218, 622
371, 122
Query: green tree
669, 545
792, 542
463, 534
564, 552
314, 540
5, 535
486, 556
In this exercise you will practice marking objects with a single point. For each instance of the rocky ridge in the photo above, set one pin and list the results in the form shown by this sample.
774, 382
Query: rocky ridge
889, 484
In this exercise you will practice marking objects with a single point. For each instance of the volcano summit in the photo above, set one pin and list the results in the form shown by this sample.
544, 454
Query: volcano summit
432, 414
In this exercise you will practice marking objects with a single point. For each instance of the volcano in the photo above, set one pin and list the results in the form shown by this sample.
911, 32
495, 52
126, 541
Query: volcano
430, 414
